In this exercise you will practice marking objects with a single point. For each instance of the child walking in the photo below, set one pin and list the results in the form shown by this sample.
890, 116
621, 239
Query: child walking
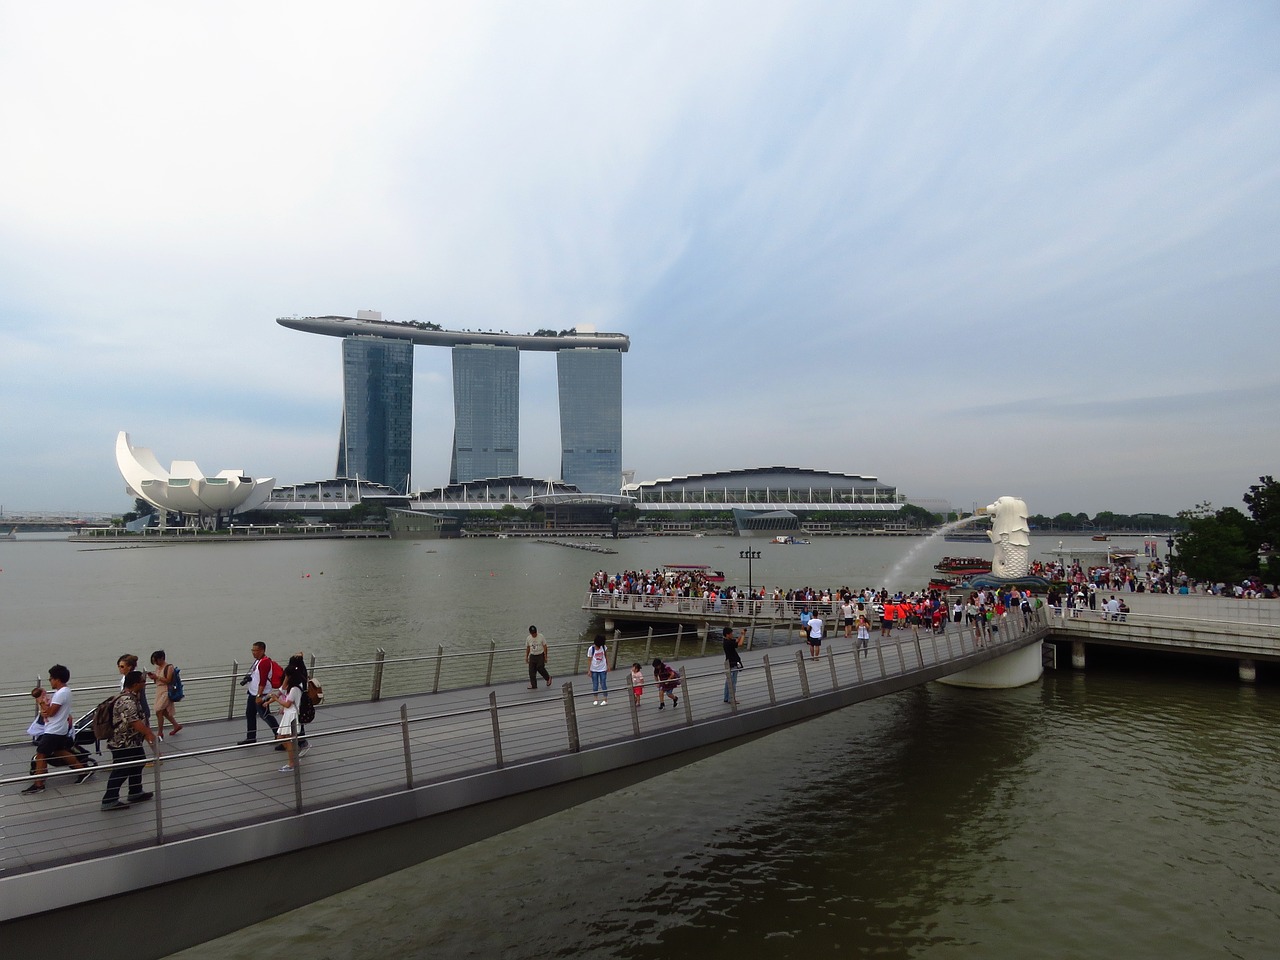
637, 682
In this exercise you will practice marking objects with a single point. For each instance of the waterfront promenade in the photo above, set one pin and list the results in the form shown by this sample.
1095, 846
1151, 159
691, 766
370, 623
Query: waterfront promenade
396, 781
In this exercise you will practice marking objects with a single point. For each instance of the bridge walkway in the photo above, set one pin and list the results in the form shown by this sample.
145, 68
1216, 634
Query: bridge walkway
444, 751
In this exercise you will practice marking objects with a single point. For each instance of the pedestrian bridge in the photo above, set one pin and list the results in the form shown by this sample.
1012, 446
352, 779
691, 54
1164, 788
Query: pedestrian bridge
399, 778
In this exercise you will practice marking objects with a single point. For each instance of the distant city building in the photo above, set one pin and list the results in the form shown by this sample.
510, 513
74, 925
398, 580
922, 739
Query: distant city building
375, 441
378, 399
486, 412
590, 419
767, 488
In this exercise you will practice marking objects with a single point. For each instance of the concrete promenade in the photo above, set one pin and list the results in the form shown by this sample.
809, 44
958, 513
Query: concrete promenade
392, 783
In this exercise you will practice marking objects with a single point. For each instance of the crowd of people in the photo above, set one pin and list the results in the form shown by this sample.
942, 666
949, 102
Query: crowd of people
125, 720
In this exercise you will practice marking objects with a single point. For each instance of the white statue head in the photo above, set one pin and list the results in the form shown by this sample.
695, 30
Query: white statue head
1009, 521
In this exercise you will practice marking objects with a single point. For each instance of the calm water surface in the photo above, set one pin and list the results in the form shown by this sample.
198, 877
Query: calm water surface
1128, 811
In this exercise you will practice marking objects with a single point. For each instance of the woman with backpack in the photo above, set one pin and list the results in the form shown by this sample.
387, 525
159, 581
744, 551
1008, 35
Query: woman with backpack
163, 676
289, 696
668, 681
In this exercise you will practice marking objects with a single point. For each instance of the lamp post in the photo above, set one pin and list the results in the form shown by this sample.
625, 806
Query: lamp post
749, 555
1168, 559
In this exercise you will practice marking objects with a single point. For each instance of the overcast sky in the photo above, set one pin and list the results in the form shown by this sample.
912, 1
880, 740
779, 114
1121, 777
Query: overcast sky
971, 249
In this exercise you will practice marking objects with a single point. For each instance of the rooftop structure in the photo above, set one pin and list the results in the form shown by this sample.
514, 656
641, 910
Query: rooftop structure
370, 323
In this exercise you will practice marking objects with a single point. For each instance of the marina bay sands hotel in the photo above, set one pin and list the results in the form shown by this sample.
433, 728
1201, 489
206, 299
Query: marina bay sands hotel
375, 441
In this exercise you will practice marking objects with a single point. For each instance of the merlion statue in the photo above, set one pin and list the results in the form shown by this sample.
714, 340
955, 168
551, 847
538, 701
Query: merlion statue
1012, 537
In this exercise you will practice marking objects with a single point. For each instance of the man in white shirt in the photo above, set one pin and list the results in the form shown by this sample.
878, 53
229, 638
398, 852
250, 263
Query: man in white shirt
816, 627
56, 740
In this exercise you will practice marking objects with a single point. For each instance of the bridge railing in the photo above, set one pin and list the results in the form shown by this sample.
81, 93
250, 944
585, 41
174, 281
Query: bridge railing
372, 749
217, 694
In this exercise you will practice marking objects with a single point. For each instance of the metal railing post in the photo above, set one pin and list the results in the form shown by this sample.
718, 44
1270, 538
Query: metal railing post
688, 706
577, 661
804, 675
379, 659
857, 660
768, 679
571, 718
934, 640
435, 686
919, 653
159, 794
635, 711
617, 648
488, 673
408, 753
235, 682
831, 659
880, 657
297, 768
497, 732
679, 637
648, 646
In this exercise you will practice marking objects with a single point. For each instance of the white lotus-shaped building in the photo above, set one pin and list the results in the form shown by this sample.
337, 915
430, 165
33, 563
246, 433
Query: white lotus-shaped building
184, 488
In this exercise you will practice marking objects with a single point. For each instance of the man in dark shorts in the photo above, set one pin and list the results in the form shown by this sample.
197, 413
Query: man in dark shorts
56, 740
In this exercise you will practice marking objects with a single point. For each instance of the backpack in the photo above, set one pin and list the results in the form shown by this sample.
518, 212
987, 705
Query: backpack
275, 674
315, 693
176, 692
104, 721
306, 709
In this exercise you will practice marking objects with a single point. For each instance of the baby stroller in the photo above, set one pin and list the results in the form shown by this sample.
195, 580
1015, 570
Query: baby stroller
81, 736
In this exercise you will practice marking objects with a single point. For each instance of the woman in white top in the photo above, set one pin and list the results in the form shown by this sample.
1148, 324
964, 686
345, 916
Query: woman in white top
290, 698
598, 666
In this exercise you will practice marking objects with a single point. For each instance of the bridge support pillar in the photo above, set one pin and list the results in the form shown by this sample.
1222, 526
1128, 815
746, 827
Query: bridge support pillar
1248, 671
1014, 669
608, 624
1077, 654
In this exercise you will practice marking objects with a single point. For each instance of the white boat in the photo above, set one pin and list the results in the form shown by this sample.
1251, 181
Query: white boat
782, 538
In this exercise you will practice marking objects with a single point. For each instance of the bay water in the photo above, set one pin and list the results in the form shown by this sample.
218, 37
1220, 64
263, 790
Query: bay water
1126, 810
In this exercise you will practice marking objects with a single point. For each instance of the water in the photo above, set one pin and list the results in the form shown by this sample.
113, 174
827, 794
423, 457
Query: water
924, 545
1127, 811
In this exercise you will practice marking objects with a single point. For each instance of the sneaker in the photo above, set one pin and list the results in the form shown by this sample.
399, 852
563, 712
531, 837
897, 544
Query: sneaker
110, 805
87, 775
279, 747
604, 702
595, 703
139, 797
303, 748
548, 681
661, 705
675, 701
35, 788
245, 743
287, 768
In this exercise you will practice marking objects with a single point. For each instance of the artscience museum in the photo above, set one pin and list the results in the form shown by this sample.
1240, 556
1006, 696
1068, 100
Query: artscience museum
185, 490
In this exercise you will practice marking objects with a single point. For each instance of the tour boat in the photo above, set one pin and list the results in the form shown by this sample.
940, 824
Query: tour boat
714, 576
963, 565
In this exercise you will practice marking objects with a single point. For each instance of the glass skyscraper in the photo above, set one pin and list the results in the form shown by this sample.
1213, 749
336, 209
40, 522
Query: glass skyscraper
590, 383
376, 439
486, 413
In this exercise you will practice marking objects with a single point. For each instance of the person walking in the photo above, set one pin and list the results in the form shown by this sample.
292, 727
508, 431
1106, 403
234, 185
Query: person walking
162, 676
129, 729
258, 683
290, 699
637, 683
864, 634
732, 664
598, 667
56, 740
535, 658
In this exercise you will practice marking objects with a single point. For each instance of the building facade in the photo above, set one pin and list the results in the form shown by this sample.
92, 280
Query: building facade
375, 440
486, 413
590, 419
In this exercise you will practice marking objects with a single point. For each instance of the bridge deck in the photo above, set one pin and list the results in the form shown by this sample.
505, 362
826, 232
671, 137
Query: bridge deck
359, 750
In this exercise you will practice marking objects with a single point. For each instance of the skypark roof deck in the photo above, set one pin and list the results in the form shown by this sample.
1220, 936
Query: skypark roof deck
429, 335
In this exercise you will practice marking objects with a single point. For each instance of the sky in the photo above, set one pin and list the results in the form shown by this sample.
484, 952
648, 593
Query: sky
969, 248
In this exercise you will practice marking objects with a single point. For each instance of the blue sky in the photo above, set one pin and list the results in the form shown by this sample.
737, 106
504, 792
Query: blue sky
970, 248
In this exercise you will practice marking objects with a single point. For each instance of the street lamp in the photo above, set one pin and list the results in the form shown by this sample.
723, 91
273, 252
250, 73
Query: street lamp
749, 555
1168, 559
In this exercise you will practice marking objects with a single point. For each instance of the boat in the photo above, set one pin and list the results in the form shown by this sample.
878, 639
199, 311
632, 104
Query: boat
963, 566
713, 576
783, 538
11, 535
1100, 537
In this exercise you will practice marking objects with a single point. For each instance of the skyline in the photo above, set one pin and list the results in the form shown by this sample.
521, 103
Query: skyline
968, 249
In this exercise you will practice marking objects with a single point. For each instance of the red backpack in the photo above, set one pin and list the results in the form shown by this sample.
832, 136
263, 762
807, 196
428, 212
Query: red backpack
275, 672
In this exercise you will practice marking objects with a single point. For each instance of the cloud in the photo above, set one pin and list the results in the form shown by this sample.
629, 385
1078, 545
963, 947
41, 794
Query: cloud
867, 237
